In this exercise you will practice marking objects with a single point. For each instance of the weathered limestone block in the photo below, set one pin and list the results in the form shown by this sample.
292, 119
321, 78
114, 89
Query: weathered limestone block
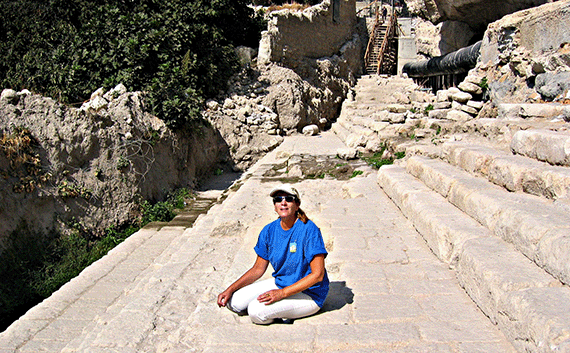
476, 13
374, 144
527, 110
312, 33
347, 153
442, 105
355, 140
475, 104
115, 92
459, 116
9, 95
538, 30
381, 115
488, 269
439, 114
212, 104
396, 108
396, 118
470, 88
511, 176
536, 319
311, 130
378, 126
229, 104
469, 110
554, 252
553, 85
461, 97
442, 225
548, 146
388, 179
523, 225
469, 159
438, 180
443, 95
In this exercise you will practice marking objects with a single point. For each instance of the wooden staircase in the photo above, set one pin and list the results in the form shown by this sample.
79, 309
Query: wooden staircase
381, 52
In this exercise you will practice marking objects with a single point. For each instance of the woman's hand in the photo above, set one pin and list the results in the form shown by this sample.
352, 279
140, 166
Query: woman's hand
271, 297
252, 275
224, 297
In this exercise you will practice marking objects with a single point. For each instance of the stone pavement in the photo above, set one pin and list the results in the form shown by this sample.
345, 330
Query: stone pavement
156, 292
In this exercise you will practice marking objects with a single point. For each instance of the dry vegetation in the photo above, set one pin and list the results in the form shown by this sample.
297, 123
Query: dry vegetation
293, 6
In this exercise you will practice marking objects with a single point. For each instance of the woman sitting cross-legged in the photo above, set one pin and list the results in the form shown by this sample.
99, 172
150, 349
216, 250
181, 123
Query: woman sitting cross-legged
294, 246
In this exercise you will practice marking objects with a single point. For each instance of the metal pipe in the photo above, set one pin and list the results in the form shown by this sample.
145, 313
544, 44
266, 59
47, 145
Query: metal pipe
456, 62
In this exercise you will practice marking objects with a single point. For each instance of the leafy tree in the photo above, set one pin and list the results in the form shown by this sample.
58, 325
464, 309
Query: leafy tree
179, 52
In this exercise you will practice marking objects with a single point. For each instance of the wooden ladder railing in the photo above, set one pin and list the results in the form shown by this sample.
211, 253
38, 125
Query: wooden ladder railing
371, 39
389, 35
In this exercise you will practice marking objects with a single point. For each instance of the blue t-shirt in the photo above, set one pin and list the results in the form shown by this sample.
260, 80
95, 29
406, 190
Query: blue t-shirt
290, 252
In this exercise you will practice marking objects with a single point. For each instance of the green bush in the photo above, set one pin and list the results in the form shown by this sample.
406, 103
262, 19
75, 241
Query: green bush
179, 52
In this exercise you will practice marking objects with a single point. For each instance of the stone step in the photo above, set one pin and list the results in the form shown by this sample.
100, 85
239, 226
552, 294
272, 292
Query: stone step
340, 131
545, 145
184, 249
533, 110
513, 172
535, 226
528, 305
146, 291
101, 284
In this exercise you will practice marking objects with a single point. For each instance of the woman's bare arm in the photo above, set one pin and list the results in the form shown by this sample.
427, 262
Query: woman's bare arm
252, 275
317, 274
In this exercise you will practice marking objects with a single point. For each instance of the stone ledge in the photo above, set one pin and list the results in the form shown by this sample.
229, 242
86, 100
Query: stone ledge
519, 219
506, 285
545, 145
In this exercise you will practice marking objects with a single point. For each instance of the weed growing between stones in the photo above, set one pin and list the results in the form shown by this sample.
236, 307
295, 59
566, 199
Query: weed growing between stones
376, 160
301, 167
356, 173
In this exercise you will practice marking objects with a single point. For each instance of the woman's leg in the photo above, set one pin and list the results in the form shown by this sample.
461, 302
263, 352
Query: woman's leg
241, 298
293, 307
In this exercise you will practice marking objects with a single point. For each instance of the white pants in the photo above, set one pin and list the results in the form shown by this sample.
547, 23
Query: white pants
293, 307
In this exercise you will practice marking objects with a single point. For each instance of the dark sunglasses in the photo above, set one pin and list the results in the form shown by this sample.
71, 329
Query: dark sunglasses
278, 199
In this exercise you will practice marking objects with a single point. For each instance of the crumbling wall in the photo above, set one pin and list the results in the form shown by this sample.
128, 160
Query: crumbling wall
476, 13
525, 56
316, 32
89, 168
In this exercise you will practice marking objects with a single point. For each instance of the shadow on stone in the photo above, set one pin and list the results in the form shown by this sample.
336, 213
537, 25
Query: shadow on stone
339, 296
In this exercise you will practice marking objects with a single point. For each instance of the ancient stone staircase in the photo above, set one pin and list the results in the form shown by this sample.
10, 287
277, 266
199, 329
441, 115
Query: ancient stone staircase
492, 203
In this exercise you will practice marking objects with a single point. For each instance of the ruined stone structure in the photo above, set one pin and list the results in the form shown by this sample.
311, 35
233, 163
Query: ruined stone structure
456, 24
308, 60
476, 13
93, 165
527, 47
319, 31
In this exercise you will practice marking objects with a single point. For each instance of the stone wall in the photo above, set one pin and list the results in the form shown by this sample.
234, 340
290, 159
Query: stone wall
313, 33
451, 25
476, 13
538, 30
525, 55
